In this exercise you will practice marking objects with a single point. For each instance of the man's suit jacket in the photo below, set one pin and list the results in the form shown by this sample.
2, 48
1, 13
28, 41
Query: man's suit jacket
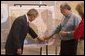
18, 32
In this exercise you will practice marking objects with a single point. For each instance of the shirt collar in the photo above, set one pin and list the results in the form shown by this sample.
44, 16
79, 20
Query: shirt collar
27, 18
68, 15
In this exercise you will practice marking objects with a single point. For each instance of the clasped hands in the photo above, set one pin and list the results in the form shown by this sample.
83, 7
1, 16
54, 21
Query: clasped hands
45, 38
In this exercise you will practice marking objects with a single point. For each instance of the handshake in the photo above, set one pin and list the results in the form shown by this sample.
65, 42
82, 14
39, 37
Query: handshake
43, 38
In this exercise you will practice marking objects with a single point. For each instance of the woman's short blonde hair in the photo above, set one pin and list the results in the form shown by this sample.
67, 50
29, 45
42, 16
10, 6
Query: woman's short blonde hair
80, 8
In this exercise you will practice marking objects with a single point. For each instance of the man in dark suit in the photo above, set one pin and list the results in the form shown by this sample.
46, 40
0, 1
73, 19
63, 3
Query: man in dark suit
18, 32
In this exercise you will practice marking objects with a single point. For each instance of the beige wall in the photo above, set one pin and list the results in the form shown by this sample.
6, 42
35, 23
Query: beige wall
11, 3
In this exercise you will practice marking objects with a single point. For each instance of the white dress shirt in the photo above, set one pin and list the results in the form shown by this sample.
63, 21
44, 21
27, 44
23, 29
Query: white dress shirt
27, 19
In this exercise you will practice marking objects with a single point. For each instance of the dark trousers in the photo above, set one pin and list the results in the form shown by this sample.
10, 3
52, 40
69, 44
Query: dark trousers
68, 47
10, 52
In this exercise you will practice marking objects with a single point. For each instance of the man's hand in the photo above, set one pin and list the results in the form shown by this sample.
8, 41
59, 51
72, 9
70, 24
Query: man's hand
19, 51
47, 38
62, 33
40, 39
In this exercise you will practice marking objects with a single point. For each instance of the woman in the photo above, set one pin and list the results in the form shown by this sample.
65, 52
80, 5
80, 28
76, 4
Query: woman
79, 31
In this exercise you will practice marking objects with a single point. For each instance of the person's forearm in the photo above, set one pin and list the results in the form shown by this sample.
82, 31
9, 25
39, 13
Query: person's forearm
66, 33
56, 31
70, 33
